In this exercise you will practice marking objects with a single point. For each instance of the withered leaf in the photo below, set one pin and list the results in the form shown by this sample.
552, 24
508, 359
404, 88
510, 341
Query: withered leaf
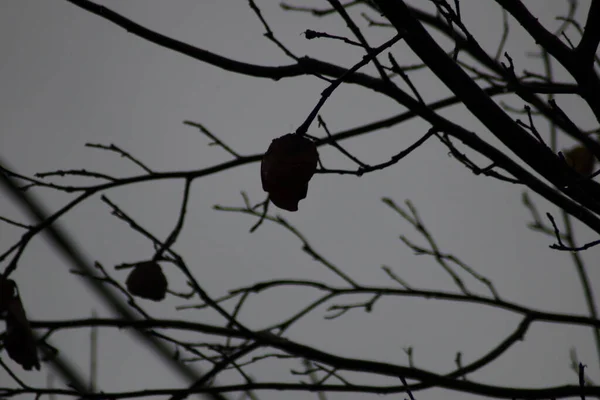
8, 290
19, 341
581, 159
147, 281
286, 168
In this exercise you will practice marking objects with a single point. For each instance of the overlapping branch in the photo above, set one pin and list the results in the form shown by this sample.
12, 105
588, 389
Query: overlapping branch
238, 347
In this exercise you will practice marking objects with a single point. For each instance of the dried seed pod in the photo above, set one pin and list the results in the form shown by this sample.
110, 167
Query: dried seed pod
581, 159
8, 291
18, 340
286, 168
147, 280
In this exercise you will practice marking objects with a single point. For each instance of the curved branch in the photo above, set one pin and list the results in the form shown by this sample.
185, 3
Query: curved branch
225, 63
556, 392
350, 364
528, 313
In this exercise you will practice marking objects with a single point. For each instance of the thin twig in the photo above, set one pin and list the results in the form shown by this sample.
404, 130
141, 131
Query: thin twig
216, 140
121, 152
303, 128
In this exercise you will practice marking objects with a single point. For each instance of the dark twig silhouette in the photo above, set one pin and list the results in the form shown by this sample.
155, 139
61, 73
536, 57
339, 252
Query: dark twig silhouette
525, 112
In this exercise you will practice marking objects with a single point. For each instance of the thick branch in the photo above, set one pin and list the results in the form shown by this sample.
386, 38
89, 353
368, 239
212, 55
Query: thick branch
535, 154
583, 73
591, 35
522, 90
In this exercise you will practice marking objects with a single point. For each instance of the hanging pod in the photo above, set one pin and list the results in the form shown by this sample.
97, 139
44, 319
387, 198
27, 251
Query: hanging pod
8, 290
286, 168
18, 341
147, 281
581, 159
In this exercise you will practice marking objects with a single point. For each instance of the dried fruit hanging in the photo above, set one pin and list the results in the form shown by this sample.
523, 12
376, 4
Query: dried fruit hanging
147, 281
8, 290
581, 159
286, 168
19, 341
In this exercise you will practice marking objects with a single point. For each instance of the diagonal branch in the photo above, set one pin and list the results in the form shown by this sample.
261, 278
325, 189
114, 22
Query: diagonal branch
526, 147
62, 242
586, 50
581, 69
476, 51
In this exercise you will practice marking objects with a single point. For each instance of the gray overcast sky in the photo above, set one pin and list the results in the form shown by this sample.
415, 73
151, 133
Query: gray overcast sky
68, 78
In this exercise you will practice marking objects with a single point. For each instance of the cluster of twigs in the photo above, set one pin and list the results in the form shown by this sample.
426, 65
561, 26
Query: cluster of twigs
474, 83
